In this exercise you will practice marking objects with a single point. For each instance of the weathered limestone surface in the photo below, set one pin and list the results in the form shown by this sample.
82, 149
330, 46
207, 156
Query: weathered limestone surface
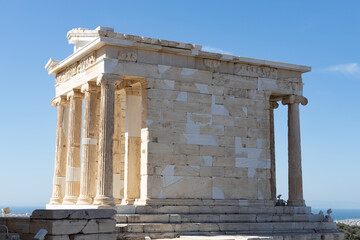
211, 143
119, 146
65, 224
73, 154
73, 214
18, 225
177, 131
295, 172
89, 145
132, 145
60, 150
273, 105
104, 195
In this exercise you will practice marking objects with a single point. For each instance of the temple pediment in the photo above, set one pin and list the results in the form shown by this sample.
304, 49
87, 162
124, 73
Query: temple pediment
51, 64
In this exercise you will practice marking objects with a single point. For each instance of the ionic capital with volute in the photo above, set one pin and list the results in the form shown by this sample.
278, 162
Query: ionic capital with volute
106, 78
273, 105
59, 100
292, 99
90, 87
75, 93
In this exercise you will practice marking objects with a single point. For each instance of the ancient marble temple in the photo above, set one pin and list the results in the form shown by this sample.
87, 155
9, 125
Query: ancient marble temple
144, 124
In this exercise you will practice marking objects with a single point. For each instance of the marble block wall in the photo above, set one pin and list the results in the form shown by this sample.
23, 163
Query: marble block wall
208, 133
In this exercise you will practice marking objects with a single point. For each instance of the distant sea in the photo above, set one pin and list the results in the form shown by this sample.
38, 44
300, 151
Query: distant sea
337, 214
23, 209
340, 214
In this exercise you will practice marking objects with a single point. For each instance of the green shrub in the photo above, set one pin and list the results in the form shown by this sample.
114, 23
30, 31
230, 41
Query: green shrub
351, 232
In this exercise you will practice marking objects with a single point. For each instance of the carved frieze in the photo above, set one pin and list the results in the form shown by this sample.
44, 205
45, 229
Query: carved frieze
75, 68
255, 71
212, 63
128, 55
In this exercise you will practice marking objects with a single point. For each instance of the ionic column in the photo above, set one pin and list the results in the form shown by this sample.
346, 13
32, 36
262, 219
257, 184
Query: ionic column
294, 150
104, 190
97, 135
89, 145
73, 154
60, 149
273, 105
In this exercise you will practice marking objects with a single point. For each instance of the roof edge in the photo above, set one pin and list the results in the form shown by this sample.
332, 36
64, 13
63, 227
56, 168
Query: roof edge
119, 39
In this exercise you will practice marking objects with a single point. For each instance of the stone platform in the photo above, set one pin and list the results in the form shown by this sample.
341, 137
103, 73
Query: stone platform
223, 222
314, 236
9, 236
90, 224
181, 221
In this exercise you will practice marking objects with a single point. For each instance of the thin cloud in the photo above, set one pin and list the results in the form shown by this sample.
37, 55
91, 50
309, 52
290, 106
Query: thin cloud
346, 68
215, 50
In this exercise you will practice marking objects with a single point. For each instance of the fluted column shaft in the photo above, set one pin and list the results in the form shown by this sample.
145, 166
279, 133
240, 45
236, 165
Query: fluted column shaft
104, 191
294, 150
73, 154
118, 152
89, 145
60, 150
273, 105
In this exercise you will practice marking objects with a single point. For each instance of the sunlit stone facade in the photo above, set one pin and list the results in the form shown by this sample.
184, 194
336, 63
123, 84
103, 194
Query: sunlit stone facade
149, 122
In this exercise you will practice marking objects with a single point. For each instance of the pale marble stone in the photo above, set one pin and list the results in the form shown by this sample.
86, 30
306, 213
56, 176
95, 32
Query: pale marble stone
104, 194
294, 152
71, 214
175, 127
72, 190
89, 145
60, 150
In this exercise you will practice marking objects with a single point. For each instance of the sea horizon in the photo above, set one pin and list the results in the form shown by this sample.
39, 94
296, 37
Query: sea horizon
337, 214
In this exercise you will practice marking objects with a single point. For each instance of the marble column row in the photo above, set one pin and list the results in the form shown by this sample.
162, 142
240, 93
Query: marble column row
294, 150
75, 184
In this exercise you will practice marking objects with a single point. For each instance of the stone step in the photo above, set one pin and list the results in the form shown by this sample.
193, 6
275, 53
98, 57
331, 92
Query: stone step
185, 209
214, 218
231, 236
269, 227
141, 236
282, 236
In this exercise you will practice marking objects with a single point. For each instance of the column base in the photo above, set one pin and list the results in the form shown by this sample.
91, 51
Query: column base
69, 200
105, 201
56, 200
84, 200
296, 203
64, 207
128, 202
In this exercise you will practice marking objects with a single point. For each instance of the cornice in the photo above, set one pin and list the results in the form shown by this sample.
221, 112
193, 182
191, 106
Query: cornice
76, 56
51, 64
100, 38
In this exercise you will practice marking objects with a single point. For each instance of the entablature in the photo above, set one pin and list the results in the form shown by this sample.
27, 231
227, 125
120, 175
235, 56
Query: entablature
87, 41
102, 51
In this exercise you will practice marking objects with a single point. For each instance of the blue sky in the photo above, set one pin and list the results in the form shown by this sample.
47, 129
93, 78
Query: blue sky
321, 34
